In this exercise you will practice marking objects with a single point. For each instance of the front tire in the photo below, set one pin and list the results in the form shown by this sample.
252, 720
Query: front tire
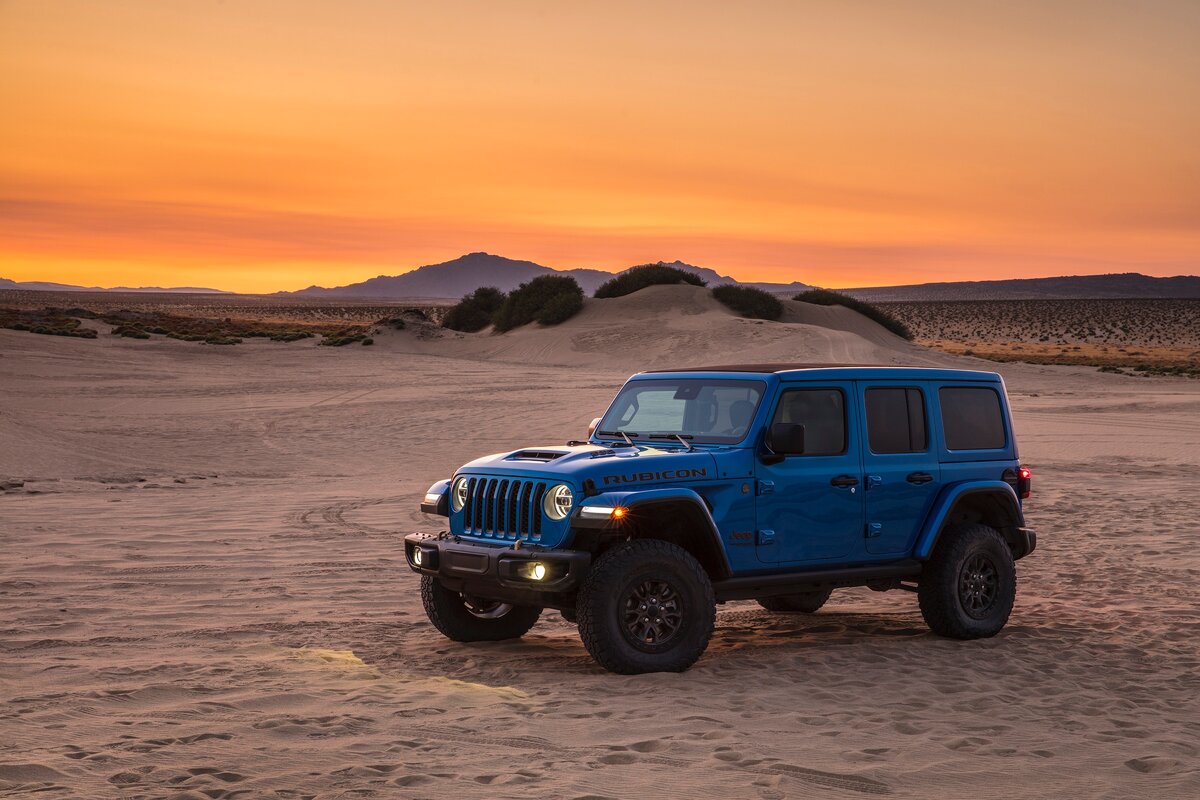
646, 606
464, 618
969, 584
799, 603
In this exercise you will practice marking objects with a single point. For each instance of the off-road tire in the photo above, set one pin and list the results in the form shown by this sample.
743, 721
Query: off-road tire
450, 614
949, 586
799, 603
607, 608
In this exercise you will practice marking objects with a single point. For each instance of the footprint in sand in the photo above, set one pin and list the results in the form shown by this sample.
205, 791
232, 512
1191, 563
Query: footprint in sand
1149, 765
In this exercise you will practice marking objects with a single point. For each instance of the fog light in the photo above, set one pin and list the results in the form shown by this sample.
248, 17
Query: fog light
417, 556
537, 571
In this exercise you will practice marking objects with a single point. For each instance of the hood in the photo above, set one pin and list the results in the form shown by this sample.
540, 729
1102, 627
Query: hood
606, 467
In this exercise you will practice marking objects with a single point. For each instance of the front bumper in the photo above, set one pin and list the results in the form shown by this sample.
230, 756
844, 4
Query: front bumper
494, 572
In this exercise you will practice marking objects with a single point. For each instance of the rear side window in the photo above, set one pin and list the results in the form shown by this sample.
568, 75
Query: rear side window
971, 418
895, 420
822, 412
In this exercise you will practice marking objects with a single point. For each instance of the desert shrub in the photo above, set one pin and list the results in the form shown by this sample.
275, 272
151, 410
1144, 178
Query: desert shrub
65, 326
290, 336
395, 323
130, 332
636, 278
343, 337
368, 341
475, 311
549, 299
825, 297
218, 338
750, 302
560, 308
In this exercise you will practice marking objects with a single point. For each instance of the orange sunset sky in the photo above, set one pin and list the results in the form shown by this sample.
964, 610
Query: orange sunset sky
256, 146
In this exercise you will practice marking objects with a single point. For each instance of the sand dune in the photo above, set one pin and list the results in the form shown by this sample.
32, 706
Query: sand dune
203, 594
671, 325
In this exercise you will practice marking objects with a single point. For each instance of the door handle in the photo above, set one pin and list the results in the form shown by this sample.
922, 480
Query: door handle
843, 481
919, 477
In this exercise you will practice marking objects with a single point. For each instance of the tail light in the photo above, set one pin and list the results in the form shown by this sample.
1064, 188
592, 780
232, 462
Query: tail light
1024, 482
1021, 479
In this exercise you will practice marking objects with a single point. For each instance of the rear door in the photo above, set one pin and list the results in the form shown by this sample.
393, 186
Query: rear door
810, 506
901, 473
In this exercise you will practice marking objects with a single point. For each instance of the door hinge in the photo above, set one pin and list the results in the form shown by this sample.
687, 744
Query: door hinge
766, 537
874, 529
874, 481
764, 487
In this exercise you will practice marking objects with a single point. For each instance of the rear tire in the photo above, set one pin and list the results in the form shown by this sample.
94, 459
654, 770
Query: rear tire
463, 618
799, 603
646, 606
969, 584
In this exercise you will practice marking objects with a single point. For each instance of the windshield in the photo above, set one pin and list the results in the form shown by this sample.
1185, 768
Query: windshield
696, 410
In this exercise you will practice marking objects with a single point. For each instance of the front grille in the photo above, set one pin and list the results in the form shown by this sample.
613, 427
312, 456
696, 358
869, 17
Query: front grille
505, 508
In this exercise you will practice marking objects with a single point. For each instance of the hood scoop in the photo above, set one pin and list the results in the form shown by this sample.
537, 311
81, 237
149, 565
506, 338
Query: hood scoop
535, 455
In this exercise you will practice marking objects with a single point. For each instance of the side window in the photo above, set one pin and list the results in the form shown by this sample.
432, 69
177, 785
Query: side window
971, 418
822, 412
895, 420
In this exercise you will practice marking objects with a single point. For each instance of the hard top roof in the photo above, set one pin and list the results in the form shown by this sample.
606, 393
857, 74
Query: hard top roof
869, 371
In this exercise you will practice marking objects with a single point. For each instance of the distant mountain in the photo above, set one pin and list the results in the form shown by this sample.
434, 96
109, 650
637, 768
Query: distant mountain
465, 274
1126, 285
456, 278
43, 286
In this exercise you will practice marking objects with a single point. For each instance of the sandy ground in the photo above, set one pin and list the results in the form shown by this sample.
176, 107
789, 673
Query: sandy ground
203, 593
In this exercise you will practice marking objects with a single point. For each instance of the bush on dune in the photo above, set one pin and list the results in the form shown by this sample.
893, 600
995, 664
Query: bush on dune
635, 278
130, 332
345, 336
49, 322
750, 302
825, 297
475, 311
550, 299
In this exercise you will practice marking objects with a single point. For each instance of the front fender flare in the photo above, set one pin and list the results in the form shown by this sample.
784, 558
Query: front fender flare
689, 501
949, 498
437, 499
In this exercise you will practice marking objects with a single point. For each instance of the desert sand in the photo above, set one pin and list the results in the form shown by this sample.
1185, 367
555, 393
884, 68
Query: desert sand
204, 594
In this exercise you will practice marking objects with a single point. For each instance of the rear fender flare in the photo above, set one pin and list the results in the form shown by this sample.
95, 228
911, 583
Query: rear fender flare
943, 512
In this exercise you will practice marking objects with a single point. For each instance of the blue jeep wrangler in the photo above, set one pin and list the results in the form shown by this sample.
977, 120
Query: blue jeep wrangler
778, 483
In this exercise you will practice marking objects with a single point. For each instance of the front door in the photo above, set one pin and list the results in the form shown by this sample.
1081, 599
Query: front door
901, 474
810, 506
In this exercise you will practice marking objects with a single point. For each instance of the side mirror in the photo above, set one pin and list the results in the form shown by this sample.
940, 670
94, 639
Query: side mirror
592, 427
786, 439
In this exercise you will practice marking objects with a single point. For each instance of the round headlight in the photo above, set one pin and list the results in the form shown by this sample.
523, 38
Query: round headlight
458, 494
558, 502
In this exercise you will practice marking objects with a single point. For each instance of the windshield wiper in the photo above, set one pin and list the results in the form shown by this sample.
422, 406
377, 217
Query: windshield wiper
682, 438
623, 434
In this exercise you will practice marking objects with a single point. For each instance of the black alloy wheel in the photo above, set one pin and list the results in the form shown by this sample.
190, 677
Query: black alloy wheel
654, 614
978, 586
